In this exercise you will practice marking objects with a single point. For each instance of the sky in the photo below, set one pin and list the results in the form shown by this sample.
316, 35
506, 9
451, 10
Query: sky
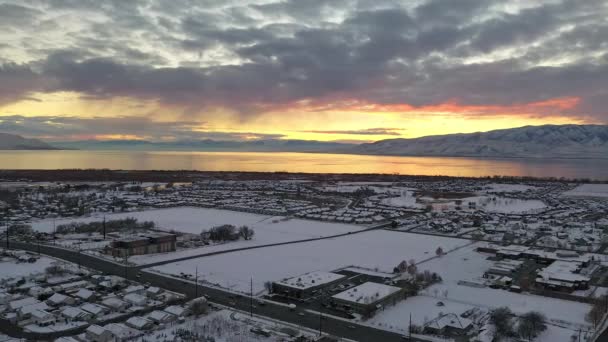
339, 70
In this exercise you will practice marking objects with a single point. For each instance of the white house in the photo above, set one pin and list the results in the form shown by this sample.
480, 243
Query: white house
76, 314
95, 309
95, 333
139, 323
58, 299
84, 295
115, 304
42, 318
135, 299
121, 332
161, 317
177, 310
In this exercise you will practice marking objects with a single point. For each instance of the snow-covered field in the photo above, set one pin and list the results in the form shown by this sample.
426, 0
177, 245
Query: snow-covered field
375, 249
10, 268
588, 190
195, 220
468, 265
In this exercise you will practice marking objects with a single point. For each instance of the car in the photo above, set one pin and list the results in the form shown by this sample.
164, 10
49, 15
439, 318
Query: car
231, 303
440, 304
300, 314
352, 327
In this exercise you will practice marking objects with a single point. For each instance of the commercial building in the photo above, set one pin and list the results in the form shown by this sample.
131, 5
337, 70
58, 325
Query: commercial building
139, 244
563, 276
368, 297
305, 285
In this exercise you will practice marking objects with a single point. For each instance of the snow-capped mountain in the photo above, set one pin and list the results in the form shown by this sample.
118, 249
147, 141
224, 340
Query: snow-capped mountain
566, 141
17, 142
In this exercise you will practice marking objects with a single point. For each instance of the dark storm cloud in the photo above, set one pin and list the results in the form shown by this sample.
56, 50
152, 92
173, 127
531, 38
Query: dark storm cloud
251, 57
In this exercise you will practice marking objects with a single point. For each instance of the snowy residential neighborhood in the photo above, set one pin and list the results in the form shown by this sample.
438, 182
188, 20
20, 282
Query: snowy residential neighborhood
303, 259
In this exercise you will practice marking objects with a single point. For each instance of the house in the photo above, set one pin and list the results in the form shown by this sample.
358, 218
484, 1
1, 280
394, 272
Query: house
95, 333
177, 310
17, 304
59, 299
139, 323
161, 317
75, 314
25, 312
448, 325
136, 289
153, 292
115, 304
42, 318
95, 310
121, 332
84, 295
135, 299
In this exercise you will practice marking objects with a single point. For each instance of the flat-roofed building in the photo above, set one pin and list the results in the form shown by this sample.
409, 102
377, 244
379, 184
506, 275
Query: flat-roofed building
305, 285
368, 297
140, 244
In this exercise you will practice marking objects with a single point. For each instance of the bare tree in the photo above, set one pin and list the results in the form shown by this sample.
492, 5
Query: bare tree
246, 232
268, 286
531, 324
501, 319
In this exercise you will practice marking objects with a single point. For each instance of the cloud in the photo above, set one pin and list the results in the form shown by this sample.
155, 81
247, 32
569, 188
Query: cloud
251, 58
368, 131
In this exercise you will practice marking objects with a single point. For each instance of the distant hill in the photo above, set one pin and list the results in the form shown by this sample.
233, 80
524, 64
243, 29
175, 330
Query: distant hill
17, 142
271, 145
548, 141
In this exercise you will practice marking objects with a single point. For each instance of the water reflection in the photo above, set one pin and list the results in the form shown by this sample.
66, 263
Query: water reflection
302, 162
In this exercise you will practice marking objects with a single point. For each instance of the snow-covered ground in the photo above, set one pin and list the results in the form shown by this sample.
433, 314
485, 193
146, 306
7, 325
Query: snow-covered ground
195, 220
588, 190
10, 268
221, 326
468, 265
381, 250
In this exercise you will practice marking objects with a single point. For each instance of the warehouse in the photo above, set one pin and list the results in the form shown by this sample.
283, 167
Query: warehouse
306, 285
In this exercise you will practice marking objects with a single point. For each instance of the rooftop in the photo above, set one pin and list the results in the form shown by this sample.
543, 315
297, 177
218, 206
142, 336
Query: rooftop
311, 279
367, 293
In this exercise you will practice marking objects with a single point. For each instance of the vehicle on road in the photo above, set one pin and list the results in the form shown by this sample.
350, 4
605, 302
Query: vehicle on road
292, 307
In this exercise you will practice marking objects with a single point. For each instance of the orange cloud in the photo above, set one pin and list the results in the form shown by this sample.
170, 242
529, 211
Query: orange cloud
550, 107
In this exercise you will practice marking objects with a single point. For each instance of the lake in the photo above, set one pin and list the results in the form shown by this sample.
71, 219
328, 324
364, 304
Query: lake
303, 162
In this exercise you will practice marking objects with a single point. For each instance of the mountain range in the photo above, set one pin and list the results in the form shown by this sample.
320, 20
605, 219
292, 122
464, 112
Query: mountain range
16, 142
548, 141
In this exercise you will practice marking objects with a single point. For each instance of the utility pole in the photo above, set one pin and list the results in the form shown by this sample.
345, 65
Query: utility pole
78, 255
320, 323
251, 298
104, 227
54, 233
196, 282
410, 328
7, 234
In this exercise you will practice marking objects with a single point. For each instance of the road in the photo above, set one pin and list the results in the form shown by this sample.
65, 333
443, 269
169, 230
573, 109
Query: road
276, 311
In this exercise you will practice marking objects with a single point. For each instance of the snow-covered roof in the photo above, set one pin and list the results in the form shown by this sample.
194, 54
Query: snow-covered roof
84, 294
175, 310
95, 309
122, 331
138, 322
367, 293
311, 279
562, 271
96, 330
